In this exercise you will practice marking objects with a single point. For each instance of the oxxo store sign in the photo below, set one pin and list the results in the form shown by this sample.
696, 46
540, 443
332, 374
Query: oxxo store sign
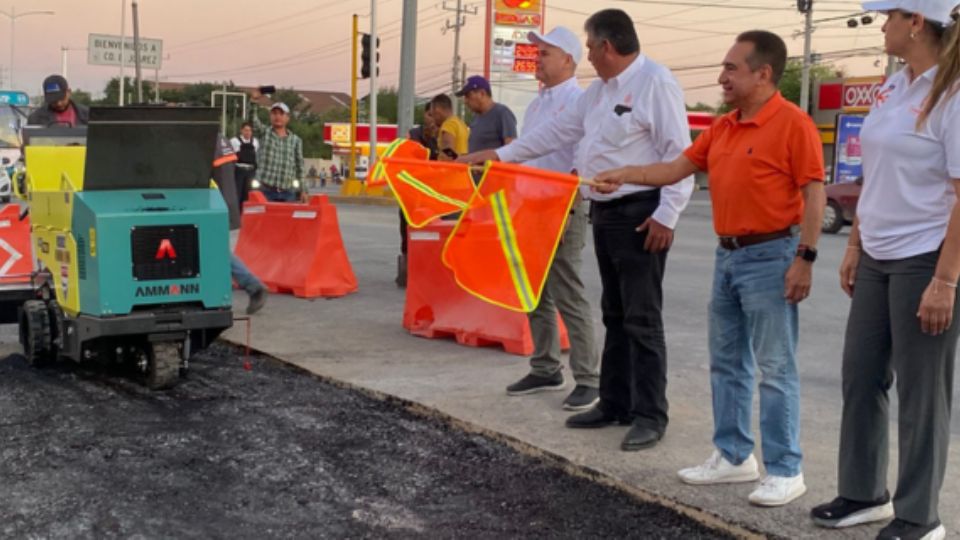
847, 100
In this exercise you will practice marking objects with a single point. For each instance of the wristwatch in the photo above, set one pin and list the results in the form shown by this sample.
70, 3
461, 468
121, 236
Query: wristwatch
807, 253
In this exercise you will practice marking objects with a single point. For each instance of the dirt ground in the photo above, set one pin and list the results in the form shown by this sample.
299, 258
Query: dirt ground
272, 452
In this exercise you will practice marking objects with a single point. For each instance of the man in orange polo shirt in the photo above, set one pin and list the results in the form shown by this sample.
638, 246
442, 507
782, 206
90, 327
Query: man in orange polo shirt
766, 182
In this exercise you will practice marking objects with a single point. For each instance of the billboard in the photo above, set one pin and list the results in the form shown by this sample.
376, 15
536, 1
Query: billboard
848, 160
510, 61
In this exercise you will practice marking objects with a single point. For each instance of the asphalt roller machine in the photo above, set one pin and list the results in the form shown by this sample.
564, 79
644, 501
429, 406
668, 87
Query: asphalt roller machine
131, 241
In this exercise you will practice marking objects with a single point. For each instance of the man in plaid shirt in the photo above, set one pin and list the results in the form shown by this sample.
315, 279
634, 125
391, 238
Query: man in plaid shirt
280, 159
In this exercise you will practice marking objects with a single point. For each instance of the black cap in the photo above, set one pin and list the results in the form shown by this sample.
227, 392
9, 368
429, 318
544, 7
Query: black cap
54, 89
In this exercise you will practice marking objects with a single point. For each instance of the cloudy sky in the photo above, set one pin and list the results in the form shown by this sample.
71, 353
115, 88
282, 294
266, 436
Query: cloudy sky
305, 43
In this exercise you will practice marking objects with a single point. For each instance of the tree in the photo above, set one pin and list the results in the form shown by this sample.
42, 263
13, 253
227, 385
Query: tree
790, 84
81, 97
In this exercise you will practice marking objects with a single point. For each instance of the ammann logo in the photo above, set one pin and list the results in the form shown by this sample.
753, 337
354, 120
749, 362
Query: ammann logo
167, 290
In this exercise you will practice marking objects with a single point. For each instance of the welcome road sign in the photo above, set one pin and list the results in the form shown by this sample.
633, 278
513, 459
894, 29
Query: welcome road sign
105, 50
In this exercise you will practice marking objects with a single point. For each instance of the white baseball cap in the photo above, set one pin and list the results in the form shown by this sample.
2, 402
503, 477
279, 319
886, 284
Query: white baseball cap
280, 105
561, 38
932, 10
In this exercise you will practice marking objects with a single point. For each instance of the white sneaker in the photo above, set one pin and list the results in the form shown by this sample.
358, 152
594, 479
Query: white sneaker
778, 490
717, 470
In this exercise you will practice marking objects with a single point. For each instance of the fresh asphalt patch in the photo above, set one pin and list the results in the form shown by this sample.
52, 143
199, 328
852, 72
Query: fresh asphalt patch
260, 449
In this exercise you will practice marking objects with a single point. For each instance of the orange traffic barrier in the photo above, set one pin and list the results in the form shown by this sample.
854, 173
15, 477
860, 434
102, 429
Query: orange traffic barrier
16, 256
437, 307
295, 248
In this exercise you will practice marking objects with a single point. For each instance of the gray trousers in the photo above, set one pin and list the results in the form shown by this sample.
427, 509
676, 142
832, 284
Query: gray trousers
564, 291
884, 343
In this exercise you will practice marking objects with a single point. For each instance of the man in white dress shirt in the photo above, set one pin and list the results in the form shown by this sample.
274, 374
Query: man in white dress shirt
633, 114
559, 53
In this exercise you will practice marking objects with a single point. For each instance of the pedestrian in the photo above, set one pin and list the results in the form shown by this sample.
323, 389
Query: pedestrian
559, 53
453, 135
246, 146
224, 176
633, 113
900, 268
425, 135
494, 124
280, 159
766, 181
59, 107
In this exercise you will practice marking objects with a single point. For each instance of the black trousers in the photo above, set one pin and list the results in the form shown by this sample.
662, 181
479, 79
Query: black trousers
633, 367
243, 176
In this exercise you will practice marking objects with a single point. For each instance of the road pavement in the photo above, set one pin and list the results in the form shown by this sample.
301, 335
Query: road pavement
359, 339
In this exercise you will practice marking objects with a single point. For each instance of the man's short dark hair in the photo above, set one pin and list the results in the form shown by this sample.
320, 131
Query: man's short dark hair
246, 124
442, 101
768, 50
426, 106
615, 26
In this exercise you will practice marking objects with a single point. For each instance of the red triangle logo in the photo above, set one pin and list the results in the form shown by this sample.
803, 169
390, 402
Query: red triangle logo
166, 251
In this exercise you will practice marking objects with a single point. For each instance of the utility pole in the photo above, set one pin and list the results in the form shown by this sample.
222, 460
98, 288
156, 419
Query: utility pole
375, 47
63, 61
892, 65
123, 51
13, 16
806, 7
408, 67
461, 21
136, 47
353, 102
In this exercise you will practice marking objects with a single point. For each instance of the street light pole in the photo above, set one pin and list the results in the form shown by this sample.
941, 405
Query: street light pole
807, 61
13, 16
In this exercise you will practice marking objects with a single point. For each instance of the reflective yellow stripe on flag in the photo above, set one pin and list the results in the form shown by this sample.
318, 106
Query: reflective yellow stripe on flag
380, 170
508, 241
408, 179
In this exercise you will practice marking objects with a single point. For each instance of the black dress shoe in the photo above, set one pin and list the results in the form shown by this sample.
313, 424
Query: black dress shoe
640, 437
594, 418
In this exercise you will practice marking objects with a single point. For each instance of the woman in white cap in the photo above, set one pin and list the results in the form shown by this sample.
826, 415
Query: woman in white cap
901, 268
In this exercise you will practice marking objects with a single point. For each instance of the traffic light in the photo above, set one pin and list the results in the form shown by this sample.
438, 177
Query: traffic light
365, 51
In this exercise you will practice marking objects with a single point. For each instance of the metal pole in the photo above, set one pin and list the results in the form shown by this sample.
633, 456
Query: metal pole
136, 52
156, 85
455, 85
408, 67
892, 65
372, 155
805, 79
63, 61
123, 51
463, 77
223, 111
353, 102
13, 18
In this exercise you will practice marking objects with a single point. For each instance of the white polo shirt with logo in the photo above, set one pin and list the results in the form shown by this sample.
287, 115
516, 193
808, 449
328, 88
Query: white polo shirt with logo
908, 191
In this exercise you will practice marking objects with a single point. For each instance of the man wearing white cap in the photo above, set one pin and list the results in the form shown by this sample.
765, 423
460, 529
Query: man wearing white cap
280, 158
559, 53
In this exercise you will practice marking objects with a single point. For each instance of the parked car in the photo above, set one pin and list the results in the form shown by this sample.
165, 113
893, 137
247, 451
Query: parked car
841, 205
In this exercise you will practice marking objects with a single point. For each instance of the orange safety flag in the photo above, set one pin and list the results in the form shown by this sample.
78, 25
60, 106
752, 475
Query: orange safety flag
502, 247
427, 190
399, 148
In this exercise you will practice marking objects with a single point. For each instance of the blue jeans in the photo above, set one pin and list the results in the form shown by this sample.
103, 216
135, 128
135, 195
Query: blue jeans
752, 324
279, 196
242, 275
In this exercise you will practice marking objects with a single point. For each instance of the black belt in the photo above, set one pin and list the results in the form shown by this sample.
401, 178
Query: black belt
737, 242
636, 197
